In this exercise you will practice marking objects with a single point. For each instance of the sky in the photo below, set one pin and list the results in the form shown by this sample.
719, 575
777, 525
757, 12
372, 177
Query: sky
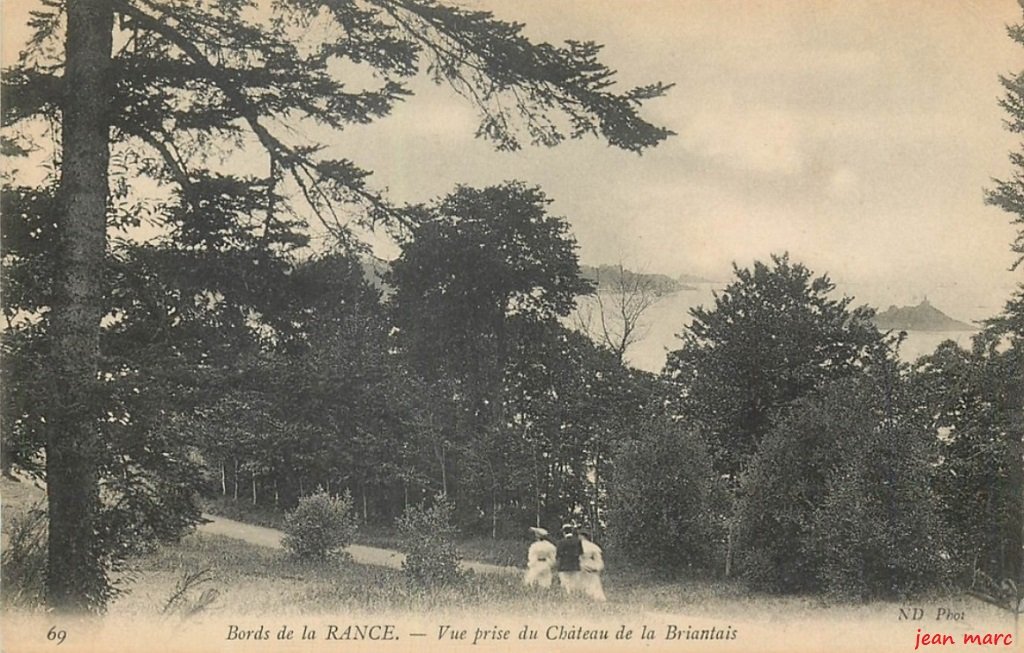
857, 136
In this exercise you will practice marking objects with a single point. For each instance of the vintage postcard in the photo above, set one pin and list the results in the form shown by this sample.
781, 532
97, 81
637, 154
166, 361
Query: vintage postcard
545, 325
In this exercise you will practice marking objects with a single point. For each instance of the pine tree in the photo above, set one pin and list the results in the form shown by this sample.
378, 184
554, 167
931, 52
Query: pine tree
179, 85
1009, 193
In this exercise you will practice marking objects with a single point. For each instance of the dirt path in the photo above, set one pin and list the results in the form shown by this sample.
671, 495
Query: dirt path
364, 555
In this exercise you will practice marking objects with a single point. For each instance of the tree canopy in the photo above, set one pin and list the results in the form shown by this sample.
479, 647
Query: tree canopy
773, 335
193, 84
1006, 329
208, 101
1009, 193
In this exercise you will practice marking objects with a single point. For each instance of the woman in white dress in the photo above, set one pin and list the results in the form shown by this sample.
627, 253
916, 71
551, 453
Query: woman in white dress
540, 560
591, 566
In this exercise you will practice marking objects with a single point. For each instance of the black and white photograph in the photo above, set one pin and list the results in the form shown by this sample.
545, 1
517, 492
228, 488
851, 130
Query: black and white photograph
511, 325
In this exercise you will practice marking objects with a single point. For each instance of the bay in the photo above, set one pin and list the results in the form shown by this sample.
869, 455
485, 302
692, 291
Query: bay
670, 315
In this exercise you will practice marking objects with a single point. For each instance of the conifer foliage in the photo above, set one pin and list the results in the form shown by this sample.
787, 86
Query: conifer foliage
207, 99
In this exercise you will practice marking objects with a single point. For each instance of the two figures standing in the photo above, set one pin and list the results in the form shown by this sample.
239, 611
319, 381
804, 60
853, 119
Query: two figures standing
577, 560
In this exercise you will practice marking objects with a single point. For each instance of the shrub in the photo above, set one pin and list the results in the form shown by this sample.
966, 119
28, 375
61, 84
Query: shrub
975, 397
665, 506
23, 570
321, 525
428, 537
878, 532
839, 500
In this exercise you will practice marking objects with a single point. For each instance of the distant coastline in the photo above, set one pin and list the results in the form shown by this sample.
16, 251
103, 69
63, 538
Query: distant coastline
923, 317
613, 278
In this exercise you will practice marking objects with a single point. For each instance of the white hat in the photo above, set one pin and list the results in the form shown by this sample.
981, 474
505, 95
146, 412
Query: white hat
540, 532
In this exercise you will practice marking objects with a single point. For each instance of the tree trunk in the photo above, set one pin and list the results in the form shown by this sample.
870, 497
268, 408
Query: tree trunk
254, 488
223, 479
7, 465
1016, 467
494, 513
728, 550
236, 480
77, 581
444, 473
596, 525
536, 488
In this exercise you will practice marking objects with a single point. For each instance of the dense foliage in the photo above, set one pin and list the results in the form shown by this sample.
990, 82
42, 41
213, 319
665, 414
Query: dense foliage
196, 104
975, 399
773, 335
666, 506
320, 526
838, 498
199, 339
23, 568
997, 437
428, 535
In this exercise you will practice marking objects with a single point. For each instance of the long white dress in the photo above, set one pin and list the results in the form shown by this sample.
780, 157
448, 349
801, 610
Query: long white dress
540, 564
591, 566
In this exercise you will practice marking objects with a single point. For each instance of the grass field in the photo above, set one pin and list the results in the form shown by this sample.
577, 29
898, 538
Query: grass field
240, 578
503, 551
256, 584
256, 580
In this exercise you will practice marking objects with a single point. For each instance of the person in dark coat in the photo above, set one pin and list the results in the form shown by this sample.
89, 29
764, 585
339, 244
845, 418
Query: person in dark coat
568, 551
